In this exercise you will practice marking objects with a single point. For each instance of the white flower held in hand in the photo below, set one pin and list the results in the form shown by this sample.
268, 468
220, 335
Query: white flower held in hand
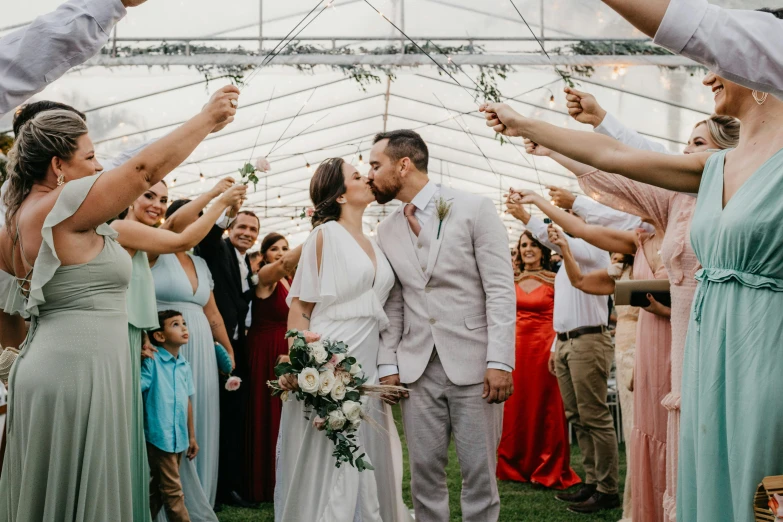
309, 381
352, 410
336, 420
338, 391
356, 369
262, 164
233, 382
327, 382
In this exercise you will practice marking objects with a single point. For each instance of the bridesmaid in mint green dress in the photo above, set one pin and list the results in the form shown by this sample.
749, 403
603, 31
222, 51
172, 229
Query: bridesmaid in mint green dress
139, 238
69, 424
731, 431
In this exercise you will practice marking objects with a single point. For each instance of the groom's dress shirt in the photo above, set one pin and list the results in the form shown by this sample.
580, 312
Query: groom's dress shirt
426, 202
743, 46
574, 308
38, 54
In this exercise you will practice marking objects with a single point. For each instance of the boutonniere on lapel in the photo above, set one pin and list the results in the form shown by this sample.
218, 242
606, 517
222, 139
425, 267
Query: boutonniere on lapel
443, 207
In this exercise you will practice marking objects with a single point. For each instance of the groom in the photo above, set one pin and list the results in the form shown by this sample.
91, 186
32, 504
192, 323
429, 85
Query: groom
452, 316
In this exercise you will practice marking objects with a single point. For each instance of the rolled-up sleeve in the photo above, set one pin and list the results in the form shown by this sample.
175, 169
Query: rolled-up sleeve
38, 54
743, 46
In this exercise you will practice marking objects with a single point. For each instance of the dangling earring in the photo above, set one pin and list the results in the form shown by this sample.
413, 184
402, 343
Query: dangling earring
61, 180
760, 97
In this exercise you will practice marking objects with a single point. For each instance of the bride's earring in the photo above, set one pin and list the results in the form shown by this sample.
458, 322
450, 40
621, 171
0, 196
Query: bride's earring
61, 180
760, 97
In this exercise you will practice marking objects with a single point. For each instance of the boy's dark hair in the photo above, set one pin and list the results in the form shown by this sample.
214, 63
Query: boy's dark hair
27, 112
778, 12
162, 317
405, 144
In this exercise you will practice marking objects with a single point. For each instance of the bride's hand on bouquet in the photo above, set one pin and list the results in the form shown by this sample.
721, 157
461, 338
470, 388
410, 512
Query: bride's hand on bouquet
395, 397
289, 382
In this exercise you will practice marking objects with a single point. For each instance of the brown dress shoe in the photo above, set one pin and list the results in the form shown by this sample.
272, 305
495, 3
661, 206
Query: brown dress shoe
598, 502
582, 494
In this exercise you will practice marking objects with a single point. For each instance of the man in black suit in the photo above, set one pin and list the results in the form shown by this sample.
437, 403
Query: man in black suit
228, 261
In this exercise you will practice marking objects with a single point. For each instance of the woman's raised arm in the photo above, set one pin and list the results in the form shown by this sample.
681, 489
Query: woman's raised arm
681, 173
116, 189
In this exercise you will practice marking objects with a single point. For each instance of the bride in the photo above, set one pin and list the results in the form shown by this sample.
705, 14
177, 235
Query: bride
339, 290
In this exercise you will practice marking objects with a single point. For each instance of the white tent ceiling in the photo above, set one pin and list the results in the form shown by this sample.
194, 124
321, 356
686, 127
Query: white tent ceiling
132, 105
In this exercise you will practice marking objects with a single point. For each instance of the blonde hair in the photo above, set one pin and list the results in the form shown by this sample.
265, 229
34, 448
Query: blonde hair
724, 130
50, 134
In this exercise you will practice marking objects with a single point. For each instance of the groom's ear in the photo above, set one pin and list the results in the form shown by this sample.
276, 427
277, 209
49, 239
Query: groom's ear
405, 165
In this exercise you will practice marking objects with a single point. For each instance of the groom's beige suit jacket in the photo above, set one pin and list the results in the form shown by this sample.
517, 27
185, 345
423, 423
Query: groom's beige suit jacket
461, 301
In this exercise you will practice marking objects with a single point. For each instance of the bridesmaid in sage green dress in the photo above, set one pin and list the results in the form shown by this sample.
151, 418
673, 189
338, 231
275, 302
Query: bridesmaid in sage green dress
141, 239
68, 447
731, 413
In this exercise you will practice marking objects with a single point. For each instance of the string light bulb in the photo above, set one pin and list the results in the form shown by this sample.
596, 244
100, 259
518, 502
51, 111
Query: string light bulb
361, 160
279, 199
552, 102
173, 182
201, 177
309, 168
615, 73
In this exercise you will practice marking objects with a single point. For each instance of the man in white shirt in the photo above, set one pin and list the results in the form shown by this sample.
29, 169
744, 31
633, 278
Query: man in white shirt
39, 53
743, 46
581, 360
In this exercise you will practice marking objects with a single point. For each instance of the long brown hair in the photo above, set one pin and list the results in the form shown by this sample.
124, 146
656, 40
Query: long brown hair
266, 244
326, 187
546, 254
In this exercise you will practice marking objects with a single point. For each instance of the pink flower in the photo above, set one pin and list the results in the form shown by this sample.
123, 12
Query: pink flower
319, 423
233, 383
310, 211
334, 361
311, 337
263, 165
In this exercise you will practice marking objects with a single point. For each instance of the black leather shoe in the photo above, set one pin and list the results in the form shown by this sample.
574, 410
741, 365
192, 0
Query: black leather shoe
582, 494
598, 502
235, 499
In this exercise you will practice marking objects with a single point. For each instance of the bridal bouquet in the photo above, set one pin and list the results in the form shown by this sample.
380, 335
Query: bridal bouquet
333, 387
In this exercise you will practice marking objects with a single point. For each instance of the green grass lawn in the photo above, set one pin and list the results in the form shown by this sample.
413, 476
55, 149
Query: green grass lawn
518, 502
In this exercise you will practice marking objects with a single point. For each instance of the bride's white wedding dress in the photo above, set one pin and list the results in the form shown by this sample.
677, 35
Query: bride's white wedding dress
349, 294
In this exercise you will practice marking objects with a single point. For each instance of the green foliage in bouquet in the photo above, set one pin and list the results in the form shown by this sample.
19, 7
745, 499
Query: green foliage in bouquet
330, 386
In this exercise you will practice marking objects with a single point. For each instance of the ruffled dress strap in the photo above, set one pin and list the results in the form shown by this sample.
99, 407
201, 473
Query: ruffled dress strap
140, 299
46, 264
12, 299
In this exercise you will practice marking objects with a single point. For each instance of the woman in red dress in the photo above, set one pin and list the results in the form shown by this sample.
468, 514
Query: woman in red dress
266, 342
534, 446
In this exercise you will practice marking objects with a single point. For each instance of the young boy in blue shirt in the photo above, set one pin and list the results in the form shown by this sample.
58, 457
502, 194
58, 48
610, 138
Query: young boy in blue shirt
166, 387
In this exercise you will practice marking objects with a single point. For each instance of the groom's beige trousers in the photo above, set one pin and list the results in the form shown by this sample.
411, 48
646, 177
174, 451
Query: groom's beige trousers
436, 410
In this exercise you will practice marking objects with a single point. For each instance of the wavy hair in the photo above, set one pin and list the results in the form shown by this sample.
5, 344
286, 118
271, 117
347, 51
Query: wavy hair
326, 187
50, 134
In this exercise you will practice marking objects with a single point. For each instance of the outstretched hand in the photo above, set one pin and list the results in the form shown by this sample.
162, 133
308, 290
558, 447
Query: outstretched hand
561, 197
498, 386
534, 149
557, 237
222, 107
584, 108
502, 118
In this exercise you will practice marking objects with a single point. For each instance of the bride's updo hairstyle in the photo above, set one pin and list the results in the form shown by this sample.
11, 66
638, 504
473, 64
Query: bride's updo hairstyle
50, 134
327, 185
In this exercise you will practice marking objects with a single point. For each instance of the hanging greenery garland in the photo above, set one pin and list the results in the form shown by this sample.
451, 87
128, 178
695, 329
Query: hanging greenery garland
612, 48
362, 74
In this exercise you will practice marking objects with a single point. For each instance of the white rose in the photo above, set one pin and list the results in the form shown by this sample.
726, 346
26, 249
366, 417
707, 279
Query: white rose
309, 381
356, 369
326, 383
254, 279
338, 391
346, 377
352, 410
336, 420
318, 352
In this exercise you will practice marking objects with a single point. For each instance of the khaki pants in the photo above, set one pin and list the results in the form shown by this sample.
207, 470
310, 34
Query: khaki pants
165, 487
582, 367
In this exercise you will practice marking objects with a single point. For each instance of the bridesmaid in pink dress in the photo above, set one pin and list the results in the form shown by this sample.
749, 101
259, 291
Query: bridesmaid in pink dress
668, 211
652, 378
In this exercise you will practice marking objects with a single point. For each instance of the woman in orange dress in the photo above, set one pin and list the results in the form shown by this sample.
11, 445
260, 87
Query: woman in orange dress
266, 342
534, 446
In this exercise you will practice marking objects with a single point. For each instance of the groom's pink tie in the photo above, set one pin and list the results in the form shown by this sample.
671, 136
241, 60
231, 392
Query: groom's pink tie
410, 211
